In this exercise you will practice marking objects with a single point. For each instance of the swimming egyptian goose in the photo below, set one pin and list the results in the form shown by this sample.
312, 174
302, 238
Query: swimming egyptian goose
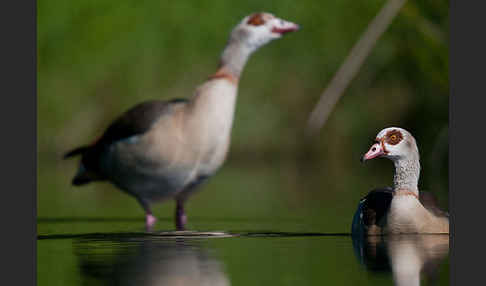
165, 149
399, 209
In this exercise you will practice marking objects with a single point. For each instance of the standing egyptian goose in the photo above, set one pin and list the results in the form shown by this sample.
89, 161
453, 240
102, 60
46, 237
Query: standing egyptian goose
399, 209
165, 149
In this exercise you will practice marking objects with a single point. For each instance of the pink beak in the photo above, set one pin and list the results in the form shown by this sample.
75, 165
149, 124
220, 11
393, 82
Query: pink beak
285, 27
375, 151
285, 30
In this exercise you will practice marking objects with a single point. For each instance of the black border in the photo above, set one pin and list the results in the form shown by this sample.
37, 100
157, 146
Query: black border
467, 125
18, 117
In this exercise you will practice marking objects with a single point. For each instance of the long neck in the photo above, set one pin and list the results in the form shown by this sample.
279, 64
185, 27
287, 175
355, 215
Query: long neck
234, 57
212, 107
214, 102
407, 172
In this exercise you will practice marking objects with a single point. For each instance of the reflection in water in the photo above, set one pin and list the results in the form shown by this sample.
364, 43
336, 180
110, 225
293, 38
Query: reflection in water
406, 256
147, 261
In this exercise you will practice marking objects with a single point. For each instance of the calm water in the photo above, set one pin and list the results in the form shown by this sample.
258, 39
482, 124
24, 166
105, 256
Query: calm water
103, 252
266, 225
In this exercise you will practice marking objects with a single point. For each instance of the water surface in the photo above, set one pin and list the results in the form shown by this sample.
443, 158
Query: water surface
237, 257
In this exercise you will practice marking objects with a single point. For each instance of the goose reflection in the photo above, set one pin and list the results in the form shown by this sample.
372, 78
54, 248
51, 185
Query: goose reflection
405, 256
148, 262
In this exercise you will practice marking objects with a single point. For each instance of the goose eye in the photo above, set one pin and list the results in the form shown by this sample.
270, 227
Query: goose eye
393, 137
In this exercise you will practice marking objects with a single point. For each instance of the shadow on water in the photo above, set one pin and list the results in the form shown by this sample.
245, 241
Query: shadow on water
405, 256
187, 235
51, 220
147, 261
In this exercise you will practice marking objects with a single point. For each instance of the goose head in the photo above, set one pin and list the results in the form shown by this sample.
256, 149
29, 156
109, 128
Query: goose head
393, 143
258, 29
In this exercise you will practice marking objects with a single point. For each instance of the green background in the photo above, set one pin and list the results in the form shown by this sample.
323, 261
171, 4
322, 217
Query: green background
98, 58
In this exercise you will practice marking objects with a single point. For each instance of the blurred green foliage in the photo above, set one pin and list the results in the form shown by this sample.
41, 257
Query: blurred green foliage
98, 58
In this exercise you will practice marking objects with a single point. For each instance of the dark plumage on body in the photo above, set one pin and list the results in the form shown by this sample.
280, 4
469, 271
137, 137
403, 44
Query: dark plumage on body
137, 120
370, 217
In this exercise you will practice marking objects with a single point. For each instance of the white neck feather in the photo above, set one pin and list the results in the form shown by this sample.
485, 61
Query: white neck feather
235, 56
407, 172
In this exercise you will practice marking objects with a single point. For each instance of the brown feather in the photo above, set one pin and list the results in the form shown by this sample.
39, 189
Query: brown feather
256, 19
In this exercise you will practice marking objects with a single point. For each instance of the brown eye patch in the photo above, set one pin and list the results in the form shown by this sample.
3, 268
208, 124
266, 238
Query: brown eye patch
256, 19
393, 137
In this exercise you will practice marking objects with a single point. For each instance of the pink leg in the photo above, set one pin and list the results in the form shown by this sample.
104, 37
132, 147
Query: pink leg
149, 218
149, 221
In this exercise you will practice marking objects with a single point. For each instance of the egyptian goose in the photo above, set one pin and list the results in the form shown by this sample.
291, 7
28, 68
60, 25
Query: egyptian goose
165, 149
399, 209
